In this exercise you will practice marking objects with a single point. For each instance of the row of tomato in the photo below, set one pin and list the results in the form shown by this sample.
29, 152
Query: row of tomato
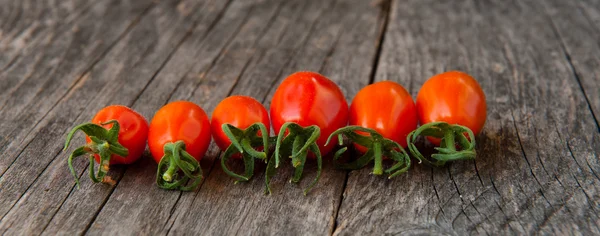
307, 111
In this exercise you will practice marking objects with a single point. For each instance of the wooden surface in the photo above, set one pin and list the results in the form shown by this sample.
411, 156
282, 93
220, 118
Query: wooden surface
537, 61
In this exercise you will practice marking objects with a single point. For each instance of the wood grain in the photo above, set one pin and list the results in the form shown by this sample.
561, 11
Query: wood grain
100, 85
526, 178
54, 69
574, 23
537, 169
332, 37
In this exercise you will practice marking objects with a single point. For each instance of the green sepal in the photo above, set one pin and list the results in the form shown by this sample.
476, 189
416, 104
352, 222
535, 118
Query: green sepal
295, 145
377, 147
451, 136
104, 142
177, 168
244, 143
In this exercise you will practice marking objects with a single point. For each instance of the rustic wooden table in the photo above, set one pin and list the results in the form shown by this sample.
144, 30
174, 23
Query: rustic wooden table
537, 60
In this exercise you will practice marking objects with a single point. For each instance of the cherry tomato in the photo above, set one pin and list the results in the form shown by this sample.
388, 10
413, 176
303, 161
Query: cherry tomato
381, 116
240, 112
116, 135
387, 108
453, 97
132, 134
308, 98
244, 120
179, 121
179, 136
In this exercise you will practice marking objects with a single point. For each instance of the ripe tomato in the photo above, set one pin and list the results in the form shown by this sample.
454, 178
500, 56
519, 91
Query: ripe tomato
179, 136
308, 98
381, 116
453, 97
116, 135
238, 111
247, 123
451, 108
133, 132
308, 107
179, 121
387, 108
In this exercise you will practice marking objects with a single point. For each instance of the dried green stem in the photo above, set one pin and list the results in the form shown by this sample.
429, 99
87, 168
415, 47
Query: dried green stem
295, 145
177, 169
245, 143
452, 136
377, 147
104, 143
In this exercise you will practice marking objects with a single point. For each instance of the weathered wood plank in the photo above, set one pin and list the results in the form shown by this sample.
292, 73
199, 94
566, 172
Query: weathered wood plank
526, 179
345, 36
21, 23
233, 37
576, 24
537, 171
61, 62
20, 128
116, 79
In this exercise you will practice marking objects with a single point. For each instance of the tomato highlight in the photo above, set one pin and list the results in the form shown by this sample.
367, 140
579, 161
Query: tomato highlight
116, 135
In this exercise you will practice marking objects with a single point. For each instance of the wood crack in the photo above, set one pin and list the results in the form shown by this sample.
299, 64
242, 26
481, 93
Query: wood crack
386, 9
541, 190
386, 12
573, 70
334, 217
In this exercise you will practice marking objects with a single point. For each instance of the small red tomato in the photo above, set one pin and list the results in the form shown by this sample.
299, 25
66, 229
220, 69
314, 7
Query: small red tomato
453, 97
116, 135
178, 139
243, 122
179, 121
452, 110
240, 112
387, 108
132, 134
309, 98
308, 107
381, 117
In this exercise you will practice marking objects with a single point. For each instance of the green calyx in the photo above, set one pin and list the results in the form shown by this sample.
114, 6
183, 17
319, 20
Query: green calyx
178, 169
104, 142
244, 143
295, 145
377, 147
452, 136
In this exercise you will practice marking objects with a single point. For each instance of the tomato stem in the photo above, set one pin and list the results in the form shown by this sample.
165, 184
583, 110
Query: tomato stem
104, 143
295, 145
452, 136
378, 166
244, 142
377, 147
176, 160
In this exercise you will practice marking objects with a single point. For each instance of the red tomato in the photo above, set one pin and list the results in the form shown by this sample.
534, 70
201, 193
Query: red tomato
177, 121
239, 111
453, 97
132, 134
308, 98
387, 108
